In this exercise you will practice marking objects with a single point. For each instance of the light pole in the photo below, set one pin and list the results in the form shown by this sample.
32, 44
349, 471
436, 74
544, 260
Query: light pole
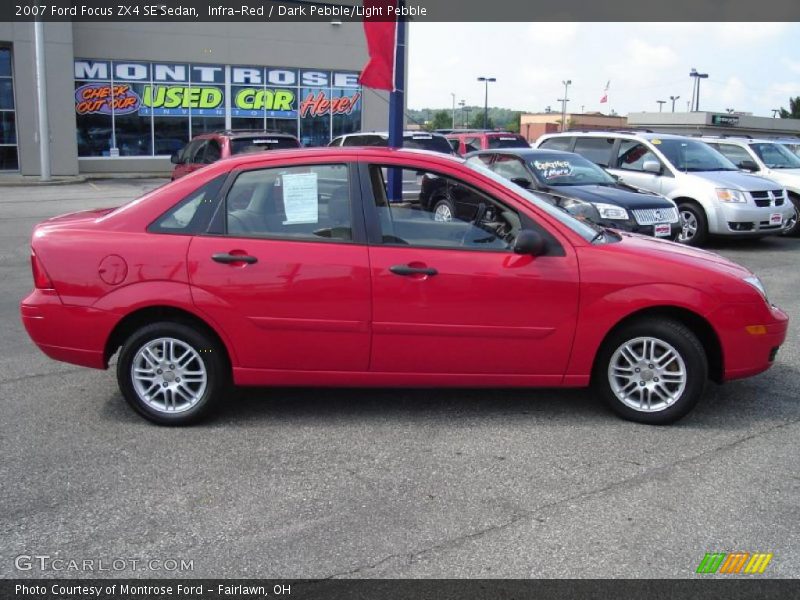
486, 81
661, 104
564, 101
673, 98
776, 112
454, 110
729, 111
461, 104
696, 89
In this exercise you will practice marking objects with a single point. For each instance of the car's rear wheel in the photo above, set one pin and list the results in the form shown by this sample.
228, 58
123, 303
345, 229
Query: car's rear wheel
444, 210
694, 225
170, 373
651, 371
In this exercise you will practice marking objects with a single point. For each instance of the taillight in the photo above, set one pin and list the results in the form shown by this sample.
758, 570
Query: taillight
40, 277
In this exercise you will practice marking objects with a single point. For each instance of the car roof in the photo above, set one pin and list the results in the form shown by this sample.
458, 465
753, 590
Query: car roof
406, 133
250, 133
648, 135
522, 152
736, 139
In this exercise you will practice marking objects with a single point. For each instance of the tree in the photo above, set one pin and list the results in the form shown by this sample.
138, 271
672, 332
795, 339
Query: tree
441, 120
477, 121
794, 109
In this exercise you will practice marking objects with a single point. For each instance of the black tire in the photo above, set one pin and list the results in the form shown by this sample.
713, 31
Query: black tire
794, 230
207, 350
444, 202
687, 346
699, 215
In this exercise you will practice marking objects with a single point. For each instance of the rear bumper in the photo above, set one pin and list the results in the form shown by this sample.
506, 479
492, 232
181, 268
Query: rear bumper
72, 334
749, 352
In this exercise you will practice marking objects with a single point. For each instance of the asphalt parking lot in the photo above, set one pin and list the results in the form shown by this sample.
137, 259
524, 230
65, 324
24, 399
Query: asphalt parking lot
388, 483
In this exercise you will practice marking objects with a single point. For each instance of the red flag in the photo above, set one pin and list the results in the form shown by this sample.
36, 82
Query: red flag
604, 98
605, 93
381, 35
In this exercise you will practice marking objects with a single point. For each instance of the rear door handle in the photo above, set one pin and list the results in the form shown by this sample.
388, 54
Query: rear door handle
227, 259
406, 270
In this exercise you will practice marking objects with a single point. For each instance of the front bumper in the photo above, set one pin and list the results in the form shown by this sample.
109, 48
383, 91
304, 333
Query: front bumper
751, 335
633, 227
747, 220
72, 334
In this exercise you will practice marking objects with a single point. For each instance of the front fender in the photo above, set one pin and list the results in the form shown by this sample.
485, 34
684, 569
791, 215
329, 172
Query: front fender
600, 313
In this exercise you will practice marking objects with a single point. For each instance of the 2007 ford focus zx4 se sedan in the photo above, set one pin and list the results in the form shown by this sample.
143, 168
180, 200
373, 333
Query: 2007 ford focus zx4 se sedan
312, 267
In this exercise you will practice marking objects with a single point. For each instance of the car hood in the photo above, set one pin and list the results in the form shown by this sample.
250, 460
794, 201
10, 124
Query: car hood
735, 180
788, 177
664, 250
618, 195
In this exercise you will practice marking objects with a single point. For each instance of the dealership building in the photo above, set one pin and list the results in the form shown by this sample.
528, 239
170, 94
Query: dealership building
122, 97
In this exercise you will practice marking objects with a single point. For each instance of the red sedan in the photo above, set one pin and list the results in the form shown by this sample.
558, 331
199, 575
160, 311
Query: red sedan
312, 268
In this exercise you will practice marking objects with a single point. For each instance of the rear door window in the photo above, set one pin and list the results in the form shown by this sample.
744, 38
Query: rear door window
558, 143
596, 149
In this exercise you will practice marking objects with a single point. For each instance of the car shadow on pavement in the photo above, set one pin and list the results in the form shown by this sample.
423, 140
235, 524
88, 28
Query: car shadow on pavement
772, 243
734, 405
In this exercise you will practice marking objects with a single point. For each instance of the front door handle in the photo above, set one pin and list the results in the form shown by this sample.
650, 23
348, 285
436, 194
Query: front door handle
227, 259
406, 270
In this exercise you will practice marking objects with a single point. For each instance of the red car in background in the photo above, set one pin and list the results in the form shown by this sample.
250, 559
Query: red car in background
210, 147
472, 140
304, 268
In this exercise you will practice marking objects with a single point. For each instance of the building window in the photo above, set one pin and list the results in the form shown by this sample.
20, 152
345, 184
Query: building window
131, 108
9, 160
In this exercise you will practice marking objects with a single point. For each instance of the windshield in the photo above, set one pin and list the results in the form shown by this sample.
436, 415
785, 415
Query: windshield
584, 229
776, 156
434, 143
260, 143
691, 155
506, 141
569, 169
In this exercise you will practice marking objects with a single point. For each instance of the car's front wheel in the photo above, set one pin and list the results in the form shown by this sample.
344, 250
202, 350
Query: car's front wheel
651, 371
694, 224
170, 373
793, 223
444, 210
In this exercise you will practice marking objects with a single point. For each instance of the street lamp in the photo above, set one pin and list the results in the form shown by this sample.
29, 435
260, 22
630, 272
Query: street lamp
661, 104
454, 110
776, 112
729, 111
696, 89
486, 81
461, 104
673, 98
564, 101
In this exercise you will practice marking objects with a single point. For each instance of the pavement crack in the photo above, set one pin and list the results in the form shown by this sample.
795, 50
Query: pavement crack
534, 513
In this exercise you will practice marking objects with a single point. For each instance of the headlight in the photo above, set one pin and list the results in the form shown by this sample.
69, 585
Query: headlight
611, 211
579, 209
756, 283
730, 195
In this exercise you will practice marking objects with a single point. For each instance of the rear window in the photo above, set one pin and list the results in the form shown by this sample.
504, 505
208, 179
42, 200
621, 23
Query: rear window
433, 143
262, 142
506, 141
192, 214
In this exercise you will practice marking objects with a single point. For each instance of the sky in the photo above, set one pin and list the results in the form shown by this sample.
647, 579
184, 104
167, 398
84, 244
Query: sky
752, 67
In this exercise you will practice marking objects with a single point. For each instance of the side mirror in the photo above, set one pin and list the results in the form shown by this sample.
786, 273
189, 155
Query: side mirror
529, 242
652, 166
748, 165
521, 182
175, 159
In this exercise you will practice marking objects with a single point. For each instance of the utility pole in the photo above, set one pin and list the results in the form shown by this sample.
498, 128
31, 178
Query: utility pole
461, 104
661, 104
564, 101
673, 98
486, 81
454, 110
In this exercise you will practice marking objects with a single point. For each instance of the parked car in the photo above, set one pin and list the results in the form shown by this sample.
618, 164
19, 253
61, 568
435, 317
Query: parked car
210, 147
769, 159
471, 140
580, 187
321, 281
713, 196
420, 140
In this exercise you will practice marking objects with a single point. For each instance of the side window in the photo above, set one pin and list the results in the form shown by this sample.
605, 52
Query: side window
632, 155
213, 152
510, 168
189, 150
597, 150
446, 214
736, 154
192, 214
454, 144
196, 155
304, 203
336, 142
558, 143
471, 144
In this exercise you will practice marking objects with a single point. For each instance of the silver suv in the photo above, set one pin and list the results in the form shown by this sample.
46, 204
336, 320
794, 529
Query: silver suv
713, 196
768, 158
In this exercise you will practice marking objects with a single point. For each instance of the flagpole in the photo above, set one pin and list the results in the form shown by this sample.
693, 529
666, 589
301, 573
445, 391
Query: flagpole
397, 103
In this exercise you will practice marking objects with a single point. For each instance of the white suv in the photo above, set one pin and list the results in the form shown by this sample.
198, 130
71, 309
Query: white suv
713, 196
767, 158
